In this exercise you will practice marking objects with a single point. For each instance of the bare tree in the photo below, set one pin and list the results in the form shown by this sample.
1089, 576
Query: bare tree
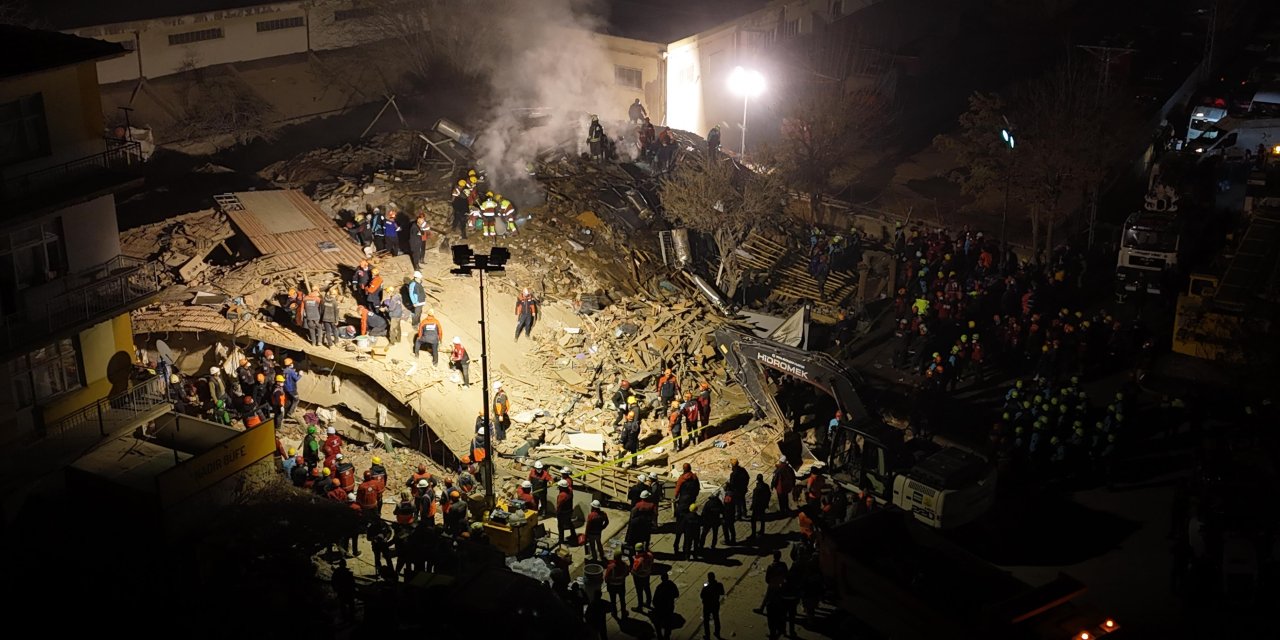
726, 202
839, 102
425, 35
1070, 131
215, 103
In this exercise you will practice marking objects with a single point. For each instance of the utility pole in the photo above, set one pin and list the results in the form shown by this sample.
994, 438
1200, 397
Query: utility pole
467, 262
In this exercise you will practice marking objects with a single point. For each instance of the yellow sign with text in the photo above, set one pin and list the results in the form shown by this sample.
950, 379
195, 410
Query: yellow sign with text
215, 465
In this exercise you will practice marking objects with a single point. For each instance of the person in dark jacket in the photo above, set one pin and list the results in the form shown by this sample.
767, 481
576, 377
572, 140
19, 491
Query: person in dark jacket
712, 595
712, 520
738, 481
664, 606
759, 504
329, 318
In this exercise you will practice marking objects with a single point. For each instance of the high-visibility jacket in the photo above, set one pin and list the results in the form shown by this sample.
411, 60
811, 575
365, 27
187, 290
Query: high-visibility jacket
643, 565
374, 285
367, 494
616, 573
430, 329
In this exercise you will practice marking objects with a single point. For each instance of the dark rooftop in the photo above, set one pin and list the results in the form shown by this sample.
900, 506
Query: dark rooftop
73, 14
24, 50
665, 21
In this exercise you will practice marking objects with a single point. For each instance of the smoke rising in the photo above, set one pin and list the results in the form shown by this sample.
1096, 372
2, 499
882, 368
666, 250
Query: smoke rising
548, 59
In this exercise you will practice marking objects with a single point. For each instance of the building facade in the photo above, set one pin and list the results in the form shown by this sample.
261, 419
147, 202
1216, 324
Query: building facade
66, 341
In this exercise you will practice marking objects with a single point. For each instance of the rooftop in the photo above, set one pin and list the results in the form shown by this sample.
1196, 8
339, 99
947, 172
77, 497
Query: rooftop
73, 14
24, 50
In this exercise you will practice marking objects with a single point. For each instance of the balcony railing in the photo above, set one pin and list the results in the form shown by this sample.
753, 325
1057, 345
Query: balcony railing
120, 156
98, 293
112, 411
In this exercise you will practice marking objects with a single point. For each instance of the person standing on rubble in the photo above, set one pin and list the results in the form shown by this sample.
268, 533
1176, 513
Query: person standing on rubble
418, 236
713, 143
417, 296
648, 140
692, 413
631, 436
311, 317
279, 401
738, 481
541, 480
329, 316
489, 212
391, 229
360, 279
526, 313
428, 335
636, 113
378, 225
666, 150
595, 139
501, 412
784, 482
394, 310
564, 512
373, 290
704, 403
459, 205
668, 387
291, 379
622, 399
507, 212
458, 359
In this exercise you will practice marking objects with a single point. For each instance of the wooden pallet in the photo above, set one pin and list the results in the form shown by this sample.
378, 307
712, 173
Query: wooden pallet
793, 280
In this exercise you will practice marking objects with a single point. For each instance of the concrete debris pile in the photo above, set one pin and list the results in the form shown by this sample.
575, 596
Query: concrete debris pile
359, 450
182, 243
353, 176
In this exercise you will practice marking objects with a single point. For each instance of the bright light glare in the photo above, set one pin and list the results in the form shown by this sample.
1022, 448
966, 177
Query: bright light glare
746, 82
1004, 135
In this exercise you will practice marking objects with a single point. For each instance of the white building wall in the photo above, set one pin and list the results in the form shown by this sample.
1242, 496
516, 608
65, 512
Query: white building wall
91, 232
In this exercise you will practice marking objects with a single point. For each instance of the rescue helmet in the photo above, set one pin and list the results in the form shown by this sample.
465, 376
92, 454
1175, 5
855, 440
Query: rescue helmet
279, 378
261, 377
457, 340
566, 470
537, 464
472, 180
526, 484
1053, 440
1111, 437
417, 275
351, 497
340, 457
270, 355
462, 183
422, 483
488, 194
213, 371
643, 476
562, 484
595, 504
639, 546
377, 460
311, 430
625, 384
526, 291
704, 385
454, 494
506, 203
174, 379
331, 431
471, 172
644, 495
964, 337
325, 472
288, 362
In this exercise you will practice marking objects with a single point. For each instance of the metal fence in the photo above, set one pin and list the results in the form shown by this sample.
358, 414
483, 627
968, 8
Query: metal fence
120, 155
139, 399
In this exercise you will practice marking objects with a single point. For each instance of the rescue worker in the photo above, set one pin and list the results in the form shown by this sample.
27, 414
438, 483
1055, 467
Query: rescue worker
784, 482
244, 378
712, 520
541, 480
360, 279
704, 403
644, 518
455, 518
378, 226
404, 511
329, 317
664, 606
526, 313
597, 520
687, 488
372, 323
648, 139
391, 232
692, 413
636, 112
217, 386
428, 335
622, 398
712, 596
730, 518
596, 139
459, 360
814, 487
668, 387
460, 206
564, 512
524, 493
657, 493
419, 234
641, 569
378, 471
489, 213
291, 379
279, 401
373, 290
345, 472
631, 436
666, 150
394, 310
332, 443
507, 212
311, 447
501, 412
674, 420
713, 143
368, 496
417, 297
311, 317
615, 581
633, 493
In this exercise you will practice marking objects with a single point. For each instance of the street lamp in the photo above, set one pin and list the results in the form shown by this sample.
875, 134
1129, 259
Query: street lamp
1006, 134
747, 83
468, 262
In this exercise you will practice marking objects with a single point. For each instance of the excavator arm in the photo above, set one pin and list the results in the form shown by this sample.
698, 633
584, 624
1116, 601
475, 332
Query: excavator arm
745, 354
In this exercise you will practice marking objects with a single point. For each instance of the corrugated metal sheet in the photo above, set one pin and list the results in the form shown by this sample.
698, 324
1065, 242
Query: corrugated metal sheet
184, 318
317, 244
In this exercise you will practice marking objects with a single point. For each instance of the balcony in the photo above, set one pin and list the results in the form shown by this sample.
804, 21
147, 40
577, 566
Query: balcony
114, 287
83, 177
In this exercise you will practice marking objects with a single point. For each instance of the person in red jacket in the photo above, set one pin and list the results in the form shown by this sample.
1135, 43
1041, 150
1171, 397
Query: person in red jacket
814, 487
641, 569
704, 403
525, 494
541, 480
564, 512
346, 473
692, 413
784, 482
597, 520
332, 443
369, 496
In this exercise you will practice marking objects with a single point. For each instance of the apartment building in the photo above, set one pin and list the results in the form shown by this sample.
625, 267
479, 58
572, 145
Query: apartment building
66, 342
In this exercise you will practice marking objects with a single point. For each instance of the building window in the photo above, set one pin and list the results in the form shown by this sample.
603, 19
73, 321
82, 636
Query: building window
628, 77
23, 132
352, 14
791, 28
188, 37
837, 8
46, 372
281, 23
30, 256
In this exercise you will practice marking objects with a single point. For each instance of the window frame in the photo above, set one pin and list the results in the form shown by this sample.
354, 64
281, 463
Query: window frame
65, 366
196, 35
30, 123
619, 77
281, 24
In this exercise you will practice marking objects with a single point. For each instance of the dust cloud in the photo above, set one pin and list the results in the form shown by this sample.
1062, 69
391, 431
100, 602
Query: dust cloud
547, 68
